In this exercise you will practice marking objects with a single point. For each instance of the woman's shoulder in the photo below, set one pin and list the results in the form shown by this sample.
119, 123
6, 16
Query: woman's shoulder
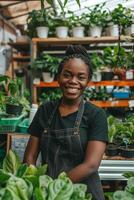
92, 110
91, 107
48, 106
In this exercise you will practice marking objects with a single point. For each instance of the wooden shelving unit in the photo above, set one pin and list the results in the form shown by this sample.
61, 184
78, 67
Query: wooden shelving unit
20, 53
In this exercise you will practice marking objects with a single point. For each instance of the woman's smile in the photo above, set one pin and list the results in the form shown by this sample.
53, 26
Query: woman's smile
72, 90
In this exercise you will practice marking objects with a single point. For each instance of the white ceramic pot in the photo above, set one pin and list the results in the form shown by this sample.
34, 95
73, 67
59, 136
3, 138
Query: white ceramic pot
114, 30
109, 89
95, 31
78, 32
42, 32
96, 76
129, 75
47, 77
129, 30
62, 32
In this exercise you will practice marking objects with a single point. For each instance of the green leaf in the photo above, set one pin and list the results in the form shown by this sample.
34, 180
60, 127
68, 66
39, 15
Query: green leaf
41, 170
61, 188
3, 176
128, 174
44, 181
11, 162
38, 194
18, 187
21, 170
33, 179
4, 78
78, 2
31, 170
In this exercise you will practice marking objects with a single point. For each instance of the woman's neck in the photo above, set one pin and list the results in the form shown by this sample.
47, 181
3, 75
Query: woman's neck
70, 103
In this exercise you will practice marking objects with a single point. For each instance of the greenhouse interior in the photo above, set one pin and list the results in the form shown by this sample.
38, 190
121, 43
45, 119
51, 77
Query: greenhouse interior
67, 100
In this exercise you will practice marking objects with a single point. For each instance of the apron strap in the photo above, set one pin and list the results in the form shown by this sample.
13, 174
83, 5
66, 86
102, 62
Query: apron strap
79, 117
54, 111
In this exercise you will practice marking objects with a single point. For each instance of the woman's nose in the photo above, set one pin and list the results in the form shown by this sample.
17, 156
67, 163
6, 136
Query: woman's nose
73, 79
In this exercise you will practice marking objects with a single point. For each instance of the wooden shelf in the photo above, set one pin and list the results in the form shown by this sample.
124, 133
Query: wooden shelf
20, 46
84, 40
101, 83
19, 58
107, 104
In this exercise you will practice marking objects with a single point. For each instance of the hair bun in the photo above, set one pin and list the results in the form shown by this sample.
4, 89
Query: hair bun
76, 49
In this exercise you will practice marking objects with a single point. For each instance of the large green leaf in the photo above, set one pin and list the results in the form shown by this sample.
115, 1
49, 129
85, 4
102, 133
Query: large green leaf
11, 162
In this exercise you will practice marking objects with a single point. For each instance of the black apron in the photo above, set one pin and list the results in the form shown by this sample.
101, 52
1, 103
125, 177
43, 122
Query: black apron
62, 151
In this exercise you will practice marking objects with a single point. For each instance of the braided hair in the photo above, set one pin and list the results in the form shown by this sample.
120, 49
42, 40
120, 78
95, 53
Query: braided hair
76, 51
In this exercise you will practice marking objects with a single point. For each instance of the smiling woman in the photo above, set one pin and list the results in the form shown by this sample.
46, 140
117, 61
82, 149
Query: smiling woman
71, 134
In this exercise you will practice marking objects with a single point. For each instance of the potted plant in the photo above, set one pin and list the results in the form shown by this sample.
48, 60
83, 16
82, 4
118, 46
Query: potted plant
115, 62
47, 65
51, 95
130, 65
120, 17
112, 147
76, 24
97, 19
97, 63
128, 23
94, 94
39, 20
61, 25
14, 100
126, 134
127, 150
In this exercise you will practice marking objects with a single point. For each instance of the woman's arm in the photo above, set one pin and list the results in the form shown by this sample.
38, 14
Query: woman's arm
94, 154
32, 151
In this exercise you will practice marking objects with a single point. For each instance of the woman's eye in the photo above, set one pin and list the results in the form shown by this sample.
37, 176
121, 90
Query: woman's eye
82, 78
67, 75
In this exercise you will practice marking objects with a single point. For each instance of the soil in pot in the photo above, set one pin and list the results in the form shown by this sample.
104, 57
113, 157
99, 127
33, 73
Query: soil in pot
13, 109
107, 75
112, 149
127, 152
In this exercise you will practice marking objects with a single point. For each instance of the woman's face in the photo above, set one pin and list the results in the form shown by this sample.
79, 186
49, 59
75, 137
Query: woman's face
73, 78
